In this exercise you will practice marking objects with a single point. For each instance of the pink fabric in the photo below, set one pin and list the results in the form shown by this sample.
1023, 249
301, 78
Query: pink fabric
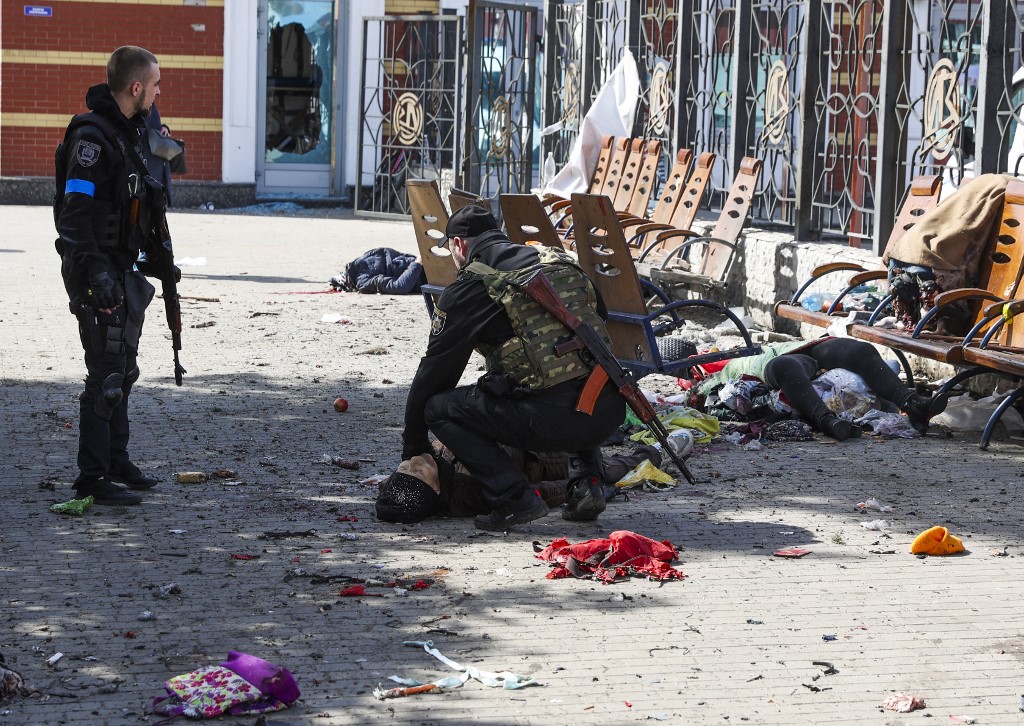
622, 554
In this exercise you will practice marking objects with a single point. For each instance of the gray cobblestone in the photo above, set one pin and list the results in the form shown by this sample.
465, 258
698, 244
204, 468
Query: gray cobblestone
257, 399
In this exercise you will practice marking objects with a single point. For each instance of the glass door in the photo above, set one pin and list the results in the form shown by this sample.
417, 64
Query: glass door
297, 123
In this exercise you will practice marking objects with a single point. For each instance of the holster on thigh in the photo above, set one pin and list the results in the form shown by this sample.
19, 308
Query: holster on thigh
98, 339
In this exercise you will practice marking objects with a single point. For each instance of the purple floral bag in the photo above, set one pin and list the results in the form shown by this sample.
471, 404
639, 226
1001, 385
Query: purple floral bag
243, 684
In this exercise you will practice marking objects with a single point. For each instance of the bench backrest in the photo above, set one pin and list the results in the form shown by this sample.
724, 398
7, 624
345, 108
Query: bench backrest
616, 166
671, 190
732, 219
459, 198
429, 220
1002, 263
527, 221
604, 256
639, 177
604, 158
923, 196
693, 194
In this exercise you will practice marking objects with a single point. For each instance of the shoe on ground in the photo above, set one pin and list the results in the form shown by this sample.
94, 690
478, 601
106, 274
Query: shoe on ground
838, 428
526, 508
132, 476
105, 492
922, 409
586, 501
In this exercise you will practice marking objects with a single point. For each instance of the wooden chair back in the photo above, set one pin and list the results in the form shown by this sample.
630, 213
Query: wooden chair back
923, 196
671, 190
716, 261
604, 158
616, 167
1001, 266
527, 222
459, 198
693, 194
604, 256
429, 220
634, 195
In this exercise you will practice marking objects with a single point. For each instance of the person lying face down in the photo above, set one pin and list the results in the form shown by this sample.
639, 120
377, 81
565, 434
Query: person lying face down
439, 486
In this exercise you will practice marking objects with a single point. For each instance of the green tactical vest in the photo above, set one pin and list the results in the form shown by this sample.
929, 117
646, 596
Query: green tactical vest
530, 356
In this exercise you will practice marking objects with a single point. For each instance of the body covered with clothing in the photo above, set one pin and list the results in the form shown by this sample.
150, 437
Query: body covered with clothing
528, 397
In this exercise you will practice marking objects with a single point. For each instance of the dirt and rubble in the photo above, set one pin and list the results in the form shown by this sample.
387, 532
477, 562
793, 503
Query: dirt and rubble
256, 560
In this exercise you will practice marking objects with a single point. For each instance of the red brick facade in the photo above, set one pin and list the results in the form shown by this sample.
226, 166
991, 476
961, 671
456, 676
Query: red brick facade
49, 63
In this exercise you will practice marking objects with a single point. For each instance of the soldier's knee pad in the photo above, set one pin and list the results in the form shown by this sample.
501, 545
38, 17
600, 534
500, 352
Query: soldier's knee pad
110, 396
129, 380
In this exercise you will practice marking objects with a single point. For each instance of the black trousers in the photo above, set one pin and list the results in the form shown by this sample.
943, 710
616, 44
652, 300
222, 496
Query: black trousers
110, 341
472, 422
792, 372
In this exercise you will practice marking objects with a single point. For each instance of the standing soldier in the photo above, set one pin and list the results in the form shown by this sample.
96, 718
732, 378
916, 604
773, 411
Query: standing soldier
100, 218
529, 396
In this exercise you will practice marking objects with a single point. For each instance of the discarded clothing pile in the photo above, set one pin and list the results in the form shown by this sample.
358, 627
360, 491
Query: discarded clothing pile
243, 684
622, 554
381, 270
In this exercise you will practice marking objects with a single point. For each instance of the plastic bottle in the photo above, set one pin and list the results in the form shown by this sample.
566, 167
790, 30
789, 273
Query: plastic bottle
549, 170
815, 302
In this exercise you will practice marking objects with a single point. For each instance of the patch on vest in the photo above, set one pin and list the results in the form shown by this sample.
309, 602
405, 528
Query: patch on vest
88, 153
437, 321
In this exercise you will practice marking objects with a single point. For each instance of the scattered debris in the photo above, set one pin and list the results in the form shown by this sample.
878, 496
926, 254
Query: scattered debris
53, 659
902, 703
190, 477
876, 525
874, 505
224, 473
340, 405
171, 588
335, 318
207, 324
622, 554
74, 507
146, 615
792, 552
286, 534
830, 670
936, 541
751, 621
244, 557
340, 462
828, 638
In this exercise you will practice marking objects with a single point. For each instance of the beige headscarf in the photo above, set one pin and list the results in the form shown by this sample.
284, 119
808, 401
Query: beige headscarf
423, 468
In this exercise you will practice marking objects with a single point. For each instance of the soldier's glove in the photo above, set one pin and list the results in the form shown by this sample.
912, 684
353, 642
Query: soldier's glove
105, 291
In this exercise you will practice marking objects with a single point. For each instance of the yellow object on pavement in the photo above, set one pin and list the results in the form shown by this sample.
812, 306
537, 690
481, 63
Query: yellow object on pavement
704, 426
936, 541
647, 475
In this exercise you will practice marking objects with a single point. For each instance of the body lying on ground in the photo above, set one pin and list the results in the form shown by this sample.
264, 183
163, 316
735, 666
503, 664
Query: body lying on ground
440, 486
789, 367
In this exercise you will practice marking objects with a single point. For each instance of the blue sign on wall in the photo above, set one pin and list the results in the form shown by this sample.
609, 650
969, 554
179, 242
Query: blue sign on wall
39, 11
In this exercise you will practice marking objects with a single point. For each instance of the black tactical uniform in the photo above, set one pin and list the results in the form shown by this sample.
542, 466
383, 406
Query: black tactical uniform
98, 249
473, 420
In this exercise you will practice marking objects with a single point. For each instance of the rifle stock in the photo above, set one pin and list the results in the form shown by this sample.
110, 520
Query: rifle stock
539, 288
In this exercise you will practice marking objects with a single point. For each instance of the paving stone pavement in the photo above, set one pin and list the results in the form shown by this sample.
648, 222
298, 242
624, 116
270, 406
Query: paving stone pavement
736, 641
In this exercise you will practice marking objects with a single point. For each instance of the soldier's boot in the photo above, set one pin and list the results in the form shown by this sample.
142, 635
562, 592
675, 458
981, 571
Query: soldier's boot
525, 508
586, 500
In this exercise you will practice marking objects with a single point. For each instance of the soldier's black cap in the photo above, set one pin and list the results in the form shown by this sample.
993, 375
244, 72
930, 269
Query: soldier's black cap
470, 221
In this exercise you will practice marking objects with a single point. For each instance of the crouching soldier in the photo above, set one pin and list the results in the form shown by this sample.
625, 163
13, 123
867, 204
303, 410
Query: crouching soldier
529, 395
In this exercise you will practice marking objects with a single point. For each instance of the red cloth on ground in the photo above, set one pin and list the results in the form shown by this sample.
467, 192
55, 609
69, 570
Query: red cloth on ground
622, 554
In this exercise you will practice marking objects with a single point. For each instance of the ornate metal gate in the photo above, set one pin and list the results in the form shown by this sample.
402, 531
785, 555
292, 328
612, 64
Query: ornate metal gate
563, 100
410, 103
502, 51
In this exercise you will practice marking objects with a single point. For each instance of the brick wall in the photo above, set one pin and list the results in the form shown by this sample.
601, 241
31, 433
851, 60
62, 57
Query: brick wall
48, 63
398, 7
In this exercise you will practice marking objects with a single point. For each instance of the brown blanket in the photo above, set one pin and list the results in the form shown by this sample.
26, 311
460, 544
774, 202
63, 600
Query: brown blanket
952, 235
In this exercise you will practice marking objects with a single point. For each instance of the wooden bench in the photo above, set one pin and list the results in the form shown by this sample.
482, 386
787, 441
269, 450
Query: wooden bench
922, 197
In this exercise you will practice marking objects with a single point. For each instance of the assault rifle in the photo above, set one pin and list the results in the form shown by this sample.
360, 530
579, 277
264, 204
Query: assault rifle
606, 366
162, 264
